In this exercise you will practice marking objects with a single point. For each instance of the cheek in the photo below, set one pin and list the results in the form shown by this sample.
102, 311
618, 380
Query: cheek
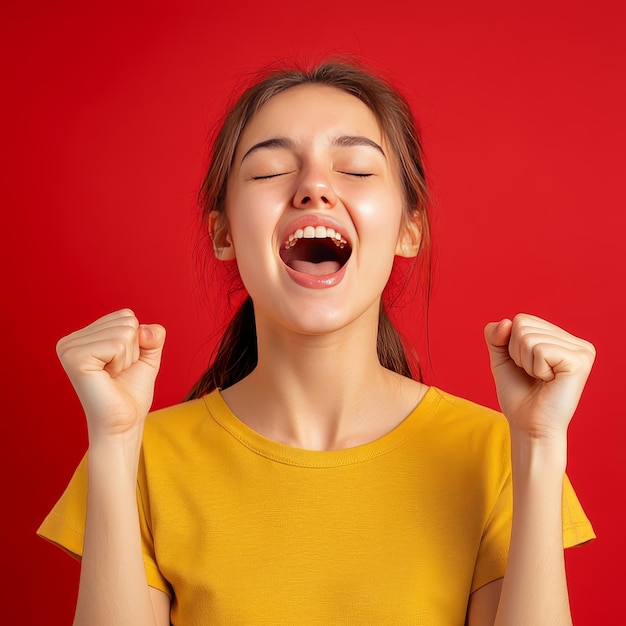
253, 216
380, 214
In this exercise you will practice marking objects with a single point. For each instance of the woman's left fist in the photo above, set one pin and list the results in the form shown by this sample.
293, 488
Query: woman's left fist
540, 371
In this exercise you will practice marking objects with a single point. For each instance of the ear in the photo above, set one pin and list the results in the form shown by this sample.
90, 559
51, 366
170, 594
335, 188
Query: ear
410, 236
219, 231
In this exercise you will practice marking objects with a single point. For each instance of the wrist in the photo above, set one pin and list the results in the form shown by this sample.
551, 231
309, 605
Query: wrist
540, 458
115, 455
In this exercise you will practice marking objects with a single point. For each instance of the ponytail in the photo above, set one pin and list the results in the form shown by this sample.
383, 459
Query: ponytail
390, 348
237, 353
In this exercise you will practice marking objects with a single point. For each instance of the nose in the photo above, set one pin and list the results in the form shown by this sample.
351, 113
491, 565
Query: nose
314, 191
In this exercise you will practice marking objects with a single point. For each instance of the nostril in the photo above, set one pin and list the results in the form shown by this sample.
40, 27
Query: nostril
326, 199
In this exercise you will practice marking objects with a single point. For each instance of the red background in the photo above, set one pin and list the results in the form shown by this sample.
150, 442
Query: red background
106, 111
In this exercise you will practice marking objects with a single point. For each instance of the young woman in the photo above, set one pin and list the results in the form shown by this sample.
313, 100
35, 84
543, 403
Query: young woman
309, 479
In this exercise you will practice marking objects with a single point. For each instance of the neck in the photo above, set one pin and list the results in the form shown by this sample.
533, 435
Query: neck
322, 392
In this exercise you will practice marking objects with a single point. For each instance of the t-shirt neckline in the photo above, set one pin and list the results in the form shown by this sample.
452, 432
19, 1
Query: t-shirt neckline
283, 453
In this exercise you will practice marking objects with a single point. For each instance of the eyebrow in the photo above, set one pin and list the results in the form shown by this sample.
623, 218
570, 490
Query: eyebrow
347, 141
274, 143
357, 140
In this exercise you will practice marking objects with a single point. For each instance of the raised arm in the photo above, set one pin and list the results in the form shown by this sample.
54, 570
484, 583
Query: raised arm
113, 364
540, 371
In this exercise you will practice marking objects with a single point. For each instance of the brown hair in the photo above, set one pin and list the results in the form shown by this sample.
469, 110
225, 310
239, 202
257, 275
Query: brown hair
236, 355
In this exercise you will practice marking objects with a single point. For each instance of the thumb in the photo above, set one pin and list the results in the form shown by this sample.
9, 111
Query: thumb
151, 340
497, 336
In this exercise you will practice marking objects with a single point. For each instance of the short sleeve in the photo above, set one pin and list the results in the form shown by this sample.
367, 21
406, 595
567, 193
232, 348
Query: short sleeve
577, 528
494, 546
64, 526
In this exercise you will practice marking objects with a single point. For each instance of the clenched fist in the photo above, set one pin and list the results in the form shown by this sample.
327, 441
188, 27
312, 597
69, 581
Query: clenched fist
112, 365
540, 371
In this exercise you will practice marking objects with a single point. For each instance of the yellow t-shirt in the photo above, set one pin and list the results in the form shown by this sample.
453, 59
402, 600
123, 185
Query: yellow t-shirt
239, 529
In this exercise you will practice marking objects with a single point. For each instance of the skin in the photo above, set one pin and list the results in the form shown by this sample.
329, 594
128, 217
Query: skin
318, 384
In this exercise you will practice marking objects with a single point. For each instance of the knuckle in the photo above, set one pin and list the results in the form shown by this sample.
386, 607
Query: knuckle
520, 319
589, 354
127, 334
538, 350
70, 357
60, 346
591, 349
129, 319
66, 347
123, 317
520, 324
120, 347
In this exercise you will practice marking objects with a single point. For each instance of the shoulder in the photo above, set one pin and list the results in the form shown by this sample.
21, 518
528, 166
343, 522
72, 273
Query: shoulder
183, 435
177, 415
472, 430
180, 423
462, 412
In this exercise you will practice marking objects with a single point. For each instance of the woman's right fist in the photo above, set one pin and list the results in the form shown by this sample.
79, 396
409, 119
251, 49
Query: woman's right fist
112, 365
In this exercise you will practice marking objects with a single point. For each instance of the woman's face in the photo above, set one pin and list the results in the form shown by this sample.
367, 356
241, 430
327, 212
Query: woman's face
314, 210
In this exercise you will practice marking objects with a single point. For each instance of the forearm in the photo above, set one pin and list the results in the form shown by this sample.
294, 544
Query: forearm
113, 587
534, 591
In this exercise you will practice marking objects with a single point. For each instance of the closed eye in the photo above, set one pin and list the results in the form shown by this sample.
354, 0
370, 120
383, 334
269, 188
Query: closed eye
266, 176
357, 174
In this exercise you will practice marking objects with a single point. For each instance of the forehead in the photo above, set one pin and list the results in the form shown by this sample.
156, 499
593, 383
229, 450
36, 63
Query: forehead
306, 111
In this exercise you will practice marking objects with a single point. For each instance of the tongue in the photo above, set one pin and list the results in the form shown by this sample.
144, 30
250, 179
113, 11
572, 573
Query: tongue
315, 269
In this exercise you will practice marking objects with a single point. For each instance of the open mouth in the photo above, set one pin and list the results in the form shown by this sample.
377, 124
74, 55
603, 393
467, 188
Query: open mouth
316, 251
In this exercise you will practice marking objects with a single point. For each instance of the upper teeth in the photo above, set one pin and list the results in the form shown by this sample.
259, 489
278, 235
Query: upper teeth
315, 232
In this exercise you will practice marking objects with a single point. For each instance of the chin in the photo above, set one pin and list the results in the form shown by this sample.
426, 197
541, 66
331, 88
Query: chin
319, 318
